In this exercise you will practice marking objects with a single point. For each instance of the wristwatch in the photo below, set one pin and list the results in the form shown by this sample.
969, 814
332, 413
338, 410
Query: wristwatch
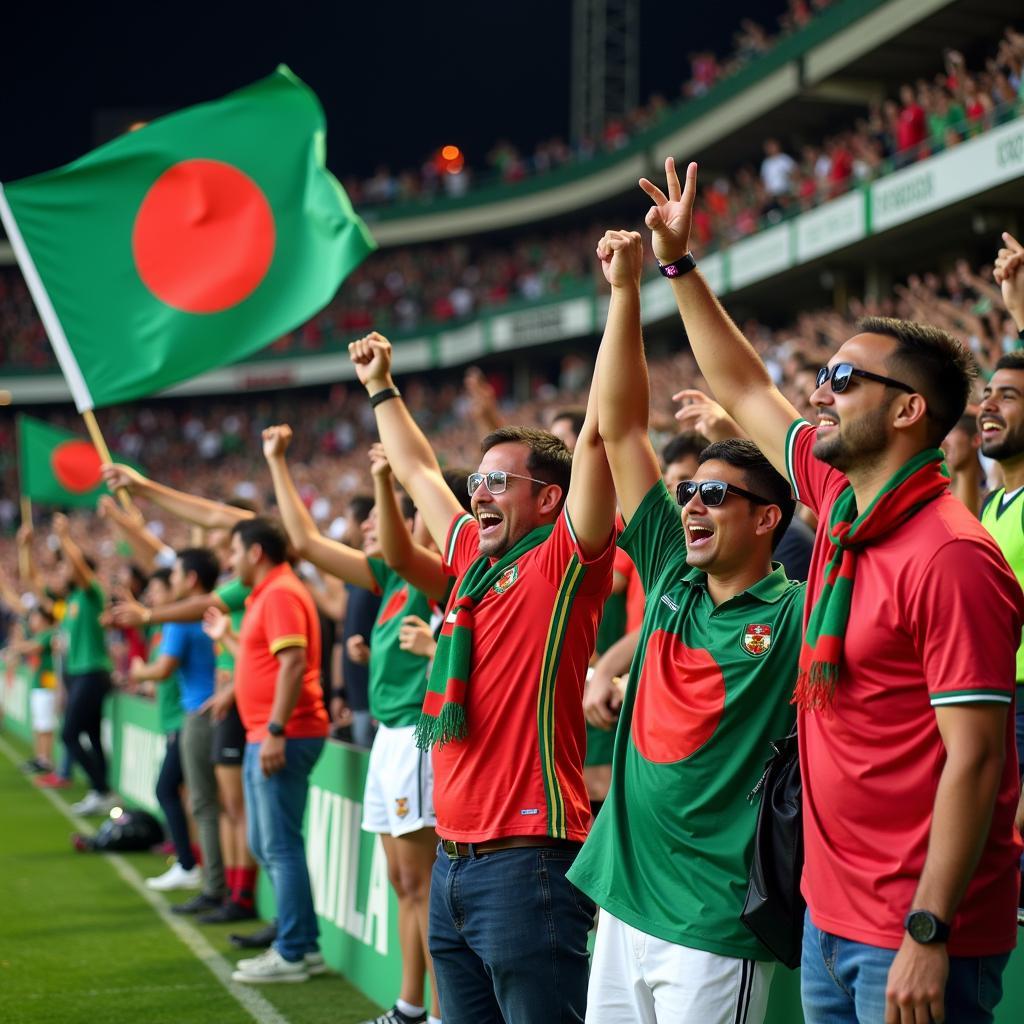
924, 927
679, 267
275, 730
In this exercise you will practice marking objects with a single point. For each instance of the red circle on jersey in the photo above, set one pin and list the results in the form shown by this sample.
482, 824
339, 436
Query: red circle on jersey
204, 236
679, 700
76, 465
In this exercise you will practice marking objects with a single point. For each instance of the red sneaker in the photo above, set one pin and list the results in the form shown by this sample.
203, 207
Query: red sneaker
52, 781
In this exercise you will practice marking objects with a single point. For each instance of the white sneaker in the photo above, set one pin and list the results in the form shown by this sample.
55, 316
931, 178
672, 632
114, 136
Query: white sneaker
93, 803
270, 967
315, 963
175, 877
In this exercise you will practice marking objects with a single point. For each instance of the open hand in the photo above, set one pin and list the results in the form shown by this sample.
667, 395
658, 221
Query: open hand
703, 415
117, 476
216, 625
671, 216
1009, 274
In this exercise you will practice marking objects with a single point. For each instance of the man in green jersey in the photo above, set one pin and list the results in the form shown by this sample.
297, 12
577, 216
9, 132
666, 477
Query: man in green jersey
669, 855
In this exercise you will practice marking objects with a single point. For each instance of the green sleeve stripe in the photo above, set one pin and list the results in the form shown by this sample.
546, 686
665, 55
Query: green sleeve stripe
972, 697
568, 523
557, 625
790, 444
454, 535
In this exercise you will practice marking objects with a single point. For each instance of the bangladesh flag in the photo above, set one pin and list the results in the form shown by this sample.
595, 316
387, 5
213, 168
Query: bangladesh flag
188, 244
58, 467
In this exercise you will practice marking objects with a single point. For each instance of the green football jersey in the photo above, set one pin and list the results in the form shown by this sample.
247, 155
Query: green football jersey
398, 679
168, 692
1003, 517
42, 663
709, 689
234, 594
86, 638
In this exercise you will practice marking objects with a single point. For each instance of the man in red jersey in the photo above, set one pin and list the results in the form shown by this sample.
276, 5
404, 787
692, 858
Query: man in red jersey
280, 701
504, 706
906, 674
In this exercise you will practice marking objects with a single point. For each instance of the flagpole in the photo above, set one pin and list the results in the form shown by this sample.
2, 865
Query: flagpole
100, 444
24, 567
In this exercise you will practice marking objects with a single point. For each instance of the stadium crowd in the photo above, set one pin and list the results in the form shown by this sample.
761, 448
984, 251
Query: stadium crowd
447, 283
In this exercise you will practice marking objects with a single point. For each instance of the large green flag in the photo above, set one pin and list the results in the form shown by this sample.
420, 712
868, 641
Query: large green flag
58, 467
185, 245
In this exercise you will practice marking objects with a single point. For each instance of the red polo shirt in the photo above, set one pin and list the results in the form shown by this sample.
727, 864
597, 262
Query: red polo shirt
519, 772
279, 613
935, 620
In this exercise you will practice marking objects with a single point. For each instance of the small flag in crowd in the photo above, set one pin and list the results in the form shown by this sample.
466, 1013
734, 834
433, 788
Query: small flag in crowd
57, 467
188, 244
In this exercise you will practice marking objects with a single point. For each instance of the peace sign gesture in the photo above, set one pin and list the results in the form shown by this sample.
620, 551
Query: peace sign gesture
669, 219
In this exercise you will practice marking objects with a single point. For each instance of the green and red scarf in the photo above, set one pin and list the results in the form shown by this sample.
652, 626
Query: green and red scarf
443, 718
920, 481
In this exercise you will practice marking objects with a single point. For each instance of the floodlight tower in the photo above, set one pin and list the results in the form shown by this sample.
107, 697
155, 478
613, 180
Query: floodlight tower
605, 64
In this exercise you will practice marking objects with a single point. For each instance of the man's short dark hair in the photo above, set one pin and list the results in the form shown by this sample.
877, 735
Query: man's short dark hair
203, 562
968, 423
266, 532
549, 459
360, 505
407, 505
575, 415
685, 445
162, 575
759, 475
933, 362
1011, 361
455, 478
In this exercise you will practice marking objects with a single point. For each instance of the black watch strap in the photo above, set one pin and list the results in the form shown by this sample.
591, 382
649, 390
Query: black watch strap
274, 729
384, 395
924, 927
678, 267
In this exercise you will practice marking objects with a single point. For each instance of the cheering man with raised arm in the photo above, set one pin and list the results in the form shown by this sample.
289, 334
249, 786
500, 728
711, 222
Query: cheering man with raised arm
906, 673
504, 707
709, 688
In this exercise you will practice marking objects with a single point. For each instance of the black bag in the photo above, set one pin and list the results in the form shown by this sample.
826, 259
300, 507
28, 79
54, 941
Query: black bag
774, 908
130, 832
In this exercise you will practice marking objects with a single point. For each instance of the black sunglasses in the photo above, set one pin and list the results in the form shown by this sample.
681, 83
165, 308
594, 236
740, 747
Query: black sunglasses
713, 492
841, 373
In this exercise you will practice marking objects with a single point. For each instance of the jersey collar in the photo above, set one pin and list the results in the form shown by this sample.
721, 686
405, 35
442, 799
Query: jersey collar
768, 590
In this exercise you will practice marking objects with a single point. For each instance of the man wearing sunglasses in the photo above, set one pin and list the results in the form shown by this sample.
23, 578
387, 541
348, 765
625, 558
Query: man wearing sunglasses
709, 688
503, 713
906, 674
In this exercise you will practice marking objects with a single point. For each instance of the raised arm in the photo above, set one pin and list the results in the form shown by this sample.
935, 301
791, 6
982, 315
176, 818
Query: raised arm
84, 576
413, 562
329, 555
733, 370
621, 375
412, 459
10, 596
211, 515
146, 548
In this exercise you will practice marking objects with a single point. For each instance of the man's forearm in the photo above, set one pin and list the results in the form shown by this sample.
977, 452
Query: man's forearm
211, 515
287, 689
727, 360
73, 553
622, 383
298, 523
961, 820
407, 446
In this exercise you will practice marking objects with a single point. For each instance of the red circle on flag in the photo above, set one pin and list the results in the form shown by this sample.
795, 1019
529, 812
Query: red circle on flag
203, 237
76, 465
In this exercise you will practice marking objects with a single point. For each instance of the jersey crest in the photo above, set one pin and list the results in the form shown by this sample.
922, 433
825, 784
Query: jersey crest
401, 806
757, 638
506, 579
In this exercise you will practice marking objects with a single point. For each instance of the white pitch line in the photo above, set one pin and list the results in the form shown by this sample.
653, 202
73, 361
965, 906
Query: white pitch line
249, 999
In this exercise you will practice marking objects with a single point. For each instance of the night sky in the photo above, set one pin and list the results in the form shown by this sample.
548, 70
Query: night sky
397, 80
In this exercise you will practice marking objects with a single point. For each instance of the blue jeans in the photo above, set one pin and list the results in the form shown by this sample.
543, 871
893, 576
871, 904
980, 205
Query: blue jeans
508, 934
275, 808
843, 982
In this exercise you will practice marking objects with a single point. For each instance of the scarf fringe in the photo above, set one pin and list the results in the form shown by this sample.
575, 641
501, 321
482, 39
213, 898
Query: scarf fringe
437, 730
816, 689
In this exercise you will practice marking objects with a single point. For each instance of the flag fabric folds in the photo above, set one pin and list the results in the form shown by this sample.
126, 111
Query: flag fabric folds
58, 467
188, 244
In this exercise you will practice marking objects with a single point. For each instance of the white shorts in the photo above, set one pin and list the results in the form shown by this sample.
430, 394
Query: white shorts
399, 794
43, 703
635, 977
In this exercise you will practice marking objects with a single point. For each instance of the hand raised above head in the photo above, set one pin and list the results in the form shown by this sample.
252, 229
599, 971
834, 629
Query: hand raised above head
276, 440
671, 216
622, 257
372, 357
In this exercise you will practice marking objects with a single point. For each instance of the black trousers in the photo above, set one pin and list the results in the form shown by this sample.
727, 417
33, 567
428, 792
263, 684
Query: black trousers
82, 716
168, 795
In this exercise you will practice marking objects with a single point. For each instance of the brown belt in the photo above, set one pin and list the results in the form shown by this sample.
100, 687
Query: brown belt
456, 850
